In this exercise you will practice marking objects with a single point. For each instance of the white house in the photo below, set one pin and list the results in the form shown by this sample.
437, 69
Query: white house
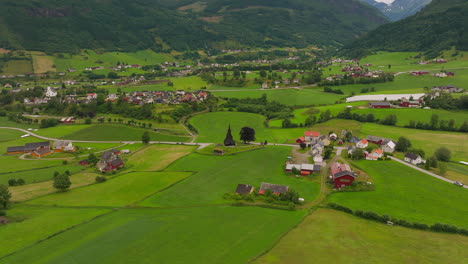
389, 147
413, 158
374, 155
51, 92
63, 145
333, 136
362, 144
318, 159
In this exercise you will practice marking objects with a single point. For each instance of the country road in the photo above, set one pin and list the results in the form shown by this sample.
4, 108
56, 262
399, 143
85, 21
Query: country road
425, 171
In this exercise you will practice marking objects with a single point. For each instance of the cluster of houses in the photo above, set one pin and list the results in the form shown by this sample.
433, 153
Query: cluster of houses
447, 89
277, 84
276, 189
317, 143
304, 169
41, 149
443, 74
162, 97
437, 60
110, 161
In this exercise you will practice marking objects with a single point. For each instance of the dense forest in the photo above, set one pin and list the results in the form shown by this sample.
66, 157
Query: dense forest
67, 26
440, 26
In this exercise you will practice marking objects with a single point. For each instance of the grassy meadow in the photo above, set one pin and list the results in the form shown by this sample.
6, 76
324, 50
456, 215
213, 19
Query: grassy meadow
158, 157
178, 235
325, 232
405, 193
216, 175
38, 174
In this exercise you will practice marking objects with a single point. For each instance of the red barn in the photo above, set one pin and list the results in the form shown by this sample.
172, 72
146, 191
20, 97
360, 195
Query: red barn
300, 140
342, 175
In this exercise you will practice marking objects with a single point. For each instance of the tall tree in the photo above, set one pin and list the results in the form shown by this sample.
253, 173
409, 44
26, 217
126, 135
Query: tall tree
434, 121
247, 134
5, 196
443, 154
62, 182
403, 144
146, 137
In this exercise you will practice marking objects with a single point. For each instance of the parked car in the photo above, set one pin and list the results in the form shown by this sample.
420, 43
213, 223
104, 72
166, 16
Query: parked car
458, 183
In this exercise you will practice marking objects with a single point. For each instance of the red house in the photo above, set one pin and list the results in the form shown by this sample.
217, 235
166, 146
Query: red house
342, 175
300, 140
84, 162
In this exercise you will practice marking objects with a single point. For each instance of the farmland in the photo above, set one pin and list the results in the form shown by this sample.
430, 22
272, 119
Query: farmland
241, 232
38, 174
217, 175
364, 242
405, 193
157, 157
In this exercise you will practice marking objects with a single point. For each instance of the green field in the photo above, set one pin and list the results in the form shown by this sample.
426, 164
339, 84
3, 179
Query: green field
298, 97
14, 67
120, 191
427, 140
37, 175
180, 235
217, 175
188, 83
4, 122
326, 232
157, 157
7, 135
106, 132
36, 223
60, 131
408, 194
13, 164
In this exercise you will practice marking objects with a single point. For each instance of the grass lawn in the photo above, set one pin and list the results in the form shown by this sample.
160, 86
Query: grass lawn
14, 67
42, 63
427, 140
405, 115
119, 191
179, 235
4, 122
188, 83
37, 175
217, 175
34, 190
60, 131
13, 164
157, 157
405, 193
303, 97
240, 147
8, 134
106, 132
326, 232
36, 223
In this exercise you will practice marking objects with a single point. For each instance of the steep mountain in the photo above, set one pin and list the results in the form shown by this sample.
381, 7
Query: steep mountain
69, 25
439, 26
398, 9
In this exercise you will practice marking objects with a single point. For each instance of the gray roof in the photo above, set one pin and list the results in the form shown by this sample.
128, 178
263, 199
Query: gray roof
244, 189
344, 173
34, 146
15, 149
411, 156
381, 103
274, 187
116, 162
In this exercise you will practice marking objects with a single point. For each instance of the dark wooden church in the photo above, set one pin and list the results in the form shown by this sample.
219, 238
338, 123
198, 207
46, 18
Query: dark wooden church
229, 140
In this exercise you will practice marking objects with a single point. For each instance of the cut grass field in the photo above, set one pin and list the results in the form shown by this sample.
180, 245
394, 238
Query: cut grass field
42, 63
34, 190
37, 223
37, 175
106, 132
158, 157
13, 164
4, 122
325, 232
404, 193
216, 175
179, 235
8, 134
14, 67
298, 97
119, 191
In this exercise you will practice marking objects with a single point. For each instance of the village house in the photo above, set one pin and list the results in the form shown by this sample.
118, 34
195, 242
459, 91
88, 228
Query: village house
67, 120
324, 139
244, 189
317, 148
110, 161
354, 139
351, 149
413, 158
300, 140
311, 135
50, 92
38, 149
342, 175
305, 169
409, 103
380, 105
377, 140
274, 188
63, 145
389, 146
333, 136
318, 158
362, 144
374, 155
91, 96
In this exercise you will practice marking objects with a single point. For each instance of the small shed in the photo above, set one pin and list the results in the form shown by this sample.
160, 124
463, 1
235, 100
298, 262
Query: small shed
218, 151
244, 189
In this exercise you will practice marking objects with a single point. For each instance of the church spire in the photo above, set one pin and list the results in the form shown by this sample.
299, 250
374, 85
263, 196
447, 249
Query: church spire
229, 140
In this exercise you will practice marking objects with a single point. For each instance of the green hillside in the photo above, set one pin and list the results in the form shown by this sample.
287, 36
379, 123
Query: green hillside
439, 26
67, 26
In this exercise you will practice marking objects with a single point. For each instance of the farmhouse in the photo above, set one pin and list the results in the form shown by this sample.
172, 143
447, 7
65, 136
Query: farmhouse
244, 189
333, 136
380, 105
351, 149
407, 103
63, 145
318, 158
389, 146
300, 140
374, 155
377, 140
67, 120
413, 158
311, 135
275, 188
305, 169
362, 144
342, 175
324, 139
38, 149
354, 139
110, 161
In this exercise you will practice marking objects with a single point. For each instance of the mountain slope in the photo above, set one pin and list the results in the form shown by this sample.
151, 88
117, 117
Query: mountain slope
441, 25
399, 9
69, 25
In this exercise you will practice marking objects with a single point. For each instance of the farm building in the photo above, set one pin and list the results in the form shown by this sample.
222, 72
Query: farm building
341, 174
318, 158
63, 145
389, 146
363, 143
300, 140
333, 136
38, 149
311, 135
305, 169
374, 155
413, 158
275, 188
380, 105
67, 120
354, 139
407, 103
378, 140
218, 151
110, 161
244, 189
351, 149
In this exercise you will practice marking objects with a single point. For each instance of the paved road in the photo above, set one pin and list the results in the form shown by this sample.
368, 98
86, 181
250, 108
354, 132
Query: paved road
425, 171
